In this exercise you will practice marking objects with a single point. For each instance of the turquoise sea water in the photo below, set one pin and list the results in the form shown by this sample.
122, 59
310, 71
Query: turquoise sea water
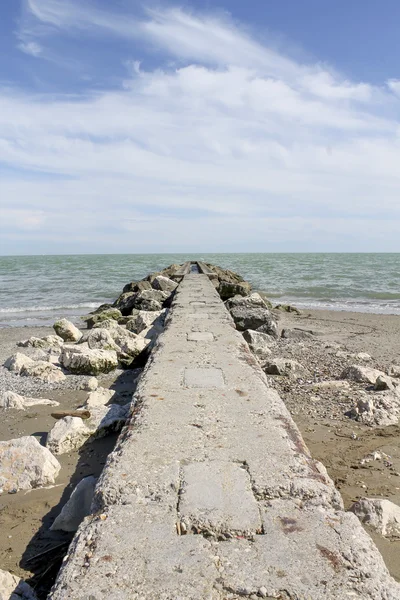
37, 289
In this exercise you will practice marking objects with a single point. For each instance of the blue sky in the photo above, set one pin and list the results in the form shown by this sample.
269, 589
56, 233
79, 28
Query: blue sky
162, 127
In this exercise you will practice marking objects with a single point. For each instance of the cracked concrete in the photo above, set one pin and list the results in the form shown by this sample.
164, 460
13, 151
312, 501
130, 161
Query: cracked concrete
211, 493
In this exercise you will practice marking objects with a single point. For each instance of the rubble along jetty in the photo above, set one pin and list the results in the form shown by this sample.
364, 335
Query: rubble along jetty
211, 492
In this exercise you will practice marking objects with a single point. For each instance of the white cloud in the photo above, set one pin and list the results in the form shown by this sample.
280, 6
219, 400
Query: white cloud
238, 136
32, 48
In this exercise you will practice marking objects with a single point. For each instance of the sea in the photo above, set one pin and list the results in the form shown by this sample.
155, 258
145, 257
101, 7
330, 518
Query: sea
36, 290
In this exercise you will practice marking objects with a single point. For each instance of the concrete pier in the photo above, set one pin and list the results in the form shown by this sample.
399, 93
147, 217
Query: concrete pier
211, 492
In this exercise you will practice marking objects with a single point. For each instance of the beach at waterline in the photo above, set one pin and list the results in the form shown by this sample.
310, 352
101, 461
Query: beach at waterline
332, 437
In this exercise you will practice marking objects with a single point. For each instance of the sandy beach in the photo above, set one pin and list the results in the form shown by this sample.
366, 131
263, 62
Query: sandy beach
337, 441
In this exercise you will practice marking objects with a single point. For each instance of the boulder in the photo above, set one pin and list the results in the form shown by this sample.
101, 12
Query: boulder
151, 299
383, 382
164, 284
106, 324
134, 347
297, 334
227, 289
361, 374
90, 384
77, 507
66, 435
112, 314
382, 515
378, 410
71, 433
17, 362
14, 588
99, 397
285, 367
137, 286
12, 400
126, 302
100, 338
45, 371
48, 342
259, 343
394, 371
143, 319
225, 274
250, 312
88, 361
67, 331
25, 464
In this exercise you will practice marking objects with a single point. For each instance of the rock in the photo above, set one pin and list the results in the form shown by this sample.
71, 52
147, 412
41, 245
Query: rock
67, 331
332, 385
13, 400
88, 361
394, 371
381, 515
106, 324
112, 314
71, 433
66, 435
383, 382
77, 507
126, 302
25, 464
50, 341
297, 334
101, 339
151, 300
250, 312
90, 384
14, 588
285, 367
164, 284
144, 319
381, 409
17, 361
363, 356
226, 274
137, 286
227, 289
287, 308
45, 371
134, 347
99, 397
259, 343
361, 374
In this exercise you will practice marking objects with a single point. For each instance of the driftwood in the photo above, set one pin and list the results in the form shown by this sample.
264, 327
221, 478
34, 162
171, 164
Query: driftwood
83, 414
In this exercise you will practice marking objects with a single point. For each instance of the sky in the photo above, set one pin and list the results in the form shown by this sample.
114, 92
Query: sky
223, 126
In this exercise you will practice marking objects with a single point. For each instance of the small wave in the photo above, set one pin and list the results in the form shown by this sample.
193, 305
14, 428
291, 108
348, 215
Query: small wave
23, 309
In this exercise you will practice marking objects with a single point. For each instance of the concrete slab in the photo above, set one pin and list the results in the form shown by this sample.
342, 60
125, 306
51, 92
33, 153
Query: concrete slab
200, 336
204, 378
198, 315
217, 498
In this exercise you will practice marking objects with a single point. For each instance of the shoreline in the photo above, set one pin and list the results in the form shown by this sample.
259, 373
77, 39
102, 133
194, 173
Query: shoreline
25, 516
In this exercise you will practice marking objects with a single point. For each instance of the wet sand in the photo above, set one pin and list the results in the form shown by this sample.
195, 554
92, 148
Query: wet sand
338, 442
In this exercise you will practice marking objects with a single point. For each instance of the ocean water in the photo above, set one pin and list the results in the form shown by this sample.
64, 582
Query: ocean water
35, 290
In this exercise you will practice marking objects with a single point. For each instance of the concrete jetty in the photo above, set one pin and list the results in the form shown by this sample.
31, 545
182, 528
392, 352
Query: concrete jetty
211, 492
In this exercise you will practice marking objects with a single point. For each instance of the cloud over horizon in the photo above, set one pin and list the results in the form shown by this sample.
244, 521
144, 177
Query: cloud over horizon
222, 142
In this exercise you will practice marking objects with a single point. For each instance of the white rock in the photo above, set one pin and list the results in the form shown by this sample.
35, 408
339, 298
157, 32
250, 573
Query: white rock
381, 409
134, 347
77, 507
67, 330
164, 284
143, 320
363, 356
44, 371
101, 339
90, 384
17, 361
383, 382
12, 400
381, 515
67, 434
14, 588
89, 362
286, 367
99, 397
333, 384
50, 341
259, 343
25, 464
361, 374
394, 371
